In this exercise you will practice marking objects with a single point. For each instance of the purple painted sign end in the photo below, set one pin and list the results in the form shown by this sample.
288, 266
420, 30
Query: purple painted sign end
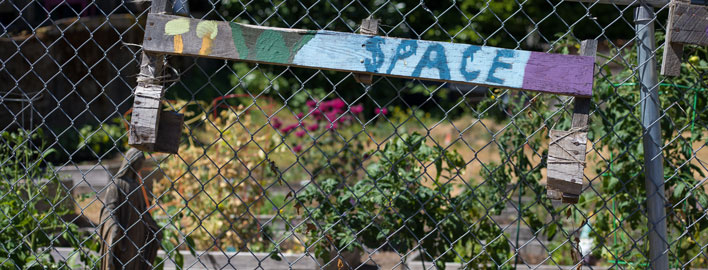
568, 74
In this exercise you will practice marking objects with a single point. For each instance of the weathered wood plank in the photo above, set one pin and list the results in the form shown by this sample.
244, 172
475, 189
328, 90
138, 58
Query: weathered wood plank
687, 24
671, 62
566, 160
418, 59
145, 119
566, 152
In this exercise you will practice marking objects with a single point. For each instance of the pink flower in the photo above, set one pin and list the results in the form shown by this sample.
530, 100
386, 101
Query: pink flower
344, 119
313, 127
333, 126
300, 133
357, 109
332, 116
276, 123
289, 128
311, 103
383, 111
300, 115
337, 103
297, 148
316, 113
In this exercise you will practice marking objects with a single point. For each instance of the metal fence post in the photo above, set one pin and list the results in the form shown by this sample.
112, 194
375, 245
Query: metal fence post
653, 160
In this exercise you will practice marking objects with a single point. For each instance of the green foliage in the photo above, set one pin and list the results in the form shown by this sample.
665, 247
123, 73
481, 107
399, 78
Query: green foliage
617, 211
400, 205
32, 202
173, 239
618, 131
90, 142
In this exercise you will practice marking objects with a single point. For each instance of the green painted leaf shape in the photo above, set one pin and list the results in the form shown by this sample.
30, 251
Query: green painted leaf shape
271, 47
207, 28
177, 27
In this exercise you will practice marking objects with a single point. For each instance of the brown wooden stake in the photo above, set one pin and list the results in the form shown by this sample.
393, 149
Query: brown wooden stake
566, 151
130, 237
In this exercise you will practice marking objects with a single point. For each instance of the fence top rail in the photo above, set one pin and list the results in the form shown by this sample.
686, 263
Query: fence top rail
387, 56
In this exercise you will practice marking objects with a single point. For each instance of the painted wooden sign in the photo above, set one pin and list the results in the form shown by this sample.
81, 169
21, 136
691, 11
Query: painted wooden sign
688, 24
428, 60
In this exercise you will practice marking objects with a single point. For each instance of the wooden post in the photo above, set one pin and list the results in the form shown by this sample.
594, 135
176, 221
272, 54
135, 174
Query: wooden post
145, 125
369, 26
566, 152
687, 24
130, 237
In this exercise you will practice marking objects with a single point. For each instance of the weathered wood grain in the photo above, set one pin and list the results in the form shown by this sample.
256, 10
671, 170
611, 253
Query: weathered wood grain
417, 59
566, 160
687, 24
566, 152
671, 62
369, 26
145, 120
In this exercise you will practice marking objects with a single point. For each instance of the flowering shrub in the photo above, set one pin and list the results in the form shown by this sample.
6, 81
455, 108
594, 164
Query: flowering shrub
214, 185
328, 138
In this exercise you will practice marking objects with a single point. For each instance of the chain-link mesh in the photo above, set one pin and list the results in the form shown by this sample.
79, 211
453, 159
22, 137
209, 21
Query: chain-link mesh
290, 168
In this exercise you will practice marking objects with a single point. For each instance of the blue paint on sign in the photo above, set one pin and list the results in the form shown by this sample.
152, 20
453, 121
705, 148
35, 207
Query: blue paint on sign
439, 63
497, 64
373, 45
415, 58
407, 48
469, 53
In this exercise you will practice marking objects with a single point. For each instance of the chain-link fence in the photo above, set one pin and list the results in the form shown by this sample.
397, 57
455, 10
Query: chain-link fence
292, 168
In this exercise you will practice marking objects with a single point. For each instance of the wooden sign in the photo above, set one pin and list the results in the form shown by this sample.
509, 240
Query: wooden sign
688, 24
416, 59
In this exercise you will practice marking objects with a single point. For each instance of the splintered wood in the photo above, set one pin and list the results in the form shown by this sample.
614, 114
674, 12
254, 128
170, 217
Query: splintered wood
687, 24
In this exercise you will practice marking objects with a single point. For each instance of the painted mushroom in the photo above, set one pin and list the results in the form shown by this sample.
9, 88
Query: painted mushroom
207, 30
176, 28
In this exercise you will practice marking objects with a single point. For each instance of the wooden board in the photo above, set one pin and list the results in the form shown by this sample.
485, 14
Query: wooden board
566, 151
145, 119
146, 103
419, 59
566, 160
687, 24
